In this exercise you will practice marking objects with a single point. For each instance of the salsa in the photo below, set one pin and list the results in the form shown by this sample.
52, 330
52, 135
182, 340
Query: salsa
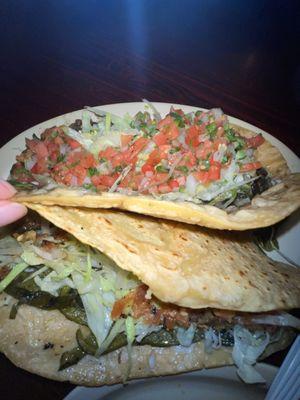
194, 157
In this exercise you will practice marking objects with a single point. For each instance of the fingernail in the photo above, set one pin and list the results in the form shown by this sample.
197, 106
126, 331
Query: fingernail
11, 212
6, 190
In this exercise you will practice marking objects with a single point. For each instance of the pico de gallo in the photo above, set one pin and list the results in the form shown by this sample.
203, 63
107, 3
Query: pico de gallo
196, 157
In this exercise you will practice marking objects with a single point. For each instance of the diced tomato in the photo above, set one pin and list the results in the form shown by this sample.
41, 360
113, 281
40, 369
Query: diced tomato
173, 131
108, 153
164, 122
159, 177
80, 172
131, 154
189, 159
214, 172
192, 136
164, 151
220, 131
181, 180
118, 159
88, 161
39, 167
147, 168
204, 149
177, 111
250, 166
219, 142
41, 150
154, 157
104, 180
58, 141
160, 139
54, 155
138, 145
255, 141
202, 176
164, 188
174, 184
73, 143
125, 140
136, 181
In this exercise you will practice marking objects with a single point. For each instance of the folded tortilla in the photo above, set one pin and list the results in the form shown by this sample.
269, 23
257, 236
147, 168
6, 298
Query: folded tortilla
36, 339
266, 209
184, 264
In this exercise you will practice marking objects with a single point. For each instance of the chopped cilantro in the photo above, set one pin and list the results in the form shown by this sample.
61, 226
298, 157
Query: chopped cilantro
74, 164
102, 159
61, 158
211, 130
205, 165
234, 138
92, 171
119, 168
182, 168
174, 150
54, 134
87, 185
160, 168
178, 119
240, 154
224, 159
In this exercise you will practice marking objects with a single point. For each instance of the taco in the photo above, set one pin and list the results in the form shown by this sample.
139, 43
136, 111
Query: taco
74, 310
195, 168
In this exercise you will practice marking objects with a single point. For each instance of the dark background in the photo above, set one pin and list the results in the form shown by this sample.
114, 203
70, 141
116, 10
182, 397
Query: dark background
59, 55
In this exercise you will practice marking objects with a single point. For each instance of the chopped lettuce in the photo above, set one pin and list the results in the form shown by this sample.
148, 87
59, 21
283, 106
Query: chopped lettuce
98, 313
211, 340
247, 348
185, 336
15, 271
51, 284
10, 249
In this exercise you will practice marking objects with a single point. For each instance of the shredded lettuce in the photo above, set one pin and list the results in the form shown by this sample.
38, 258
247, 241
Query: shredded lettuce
30, 257
51, 284
247, 348
211, 340
130, 334
98, 313
142, 330
185, 336
16, 270
117, 328
9, 250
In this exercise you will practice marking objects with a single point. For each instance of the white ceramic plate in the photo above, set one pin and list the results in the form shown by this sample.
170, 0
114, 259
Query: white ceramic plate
220, 383
211, 384
290, 231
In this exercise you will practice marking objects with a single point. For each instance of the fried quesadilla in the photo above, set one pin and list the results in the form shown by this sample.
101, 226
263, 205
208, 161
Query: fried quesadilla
137, 297
191, 167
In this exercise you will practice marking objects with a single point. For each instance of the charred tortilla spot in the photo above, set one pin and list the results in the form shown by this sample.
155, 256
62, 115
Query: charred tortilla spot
48, 345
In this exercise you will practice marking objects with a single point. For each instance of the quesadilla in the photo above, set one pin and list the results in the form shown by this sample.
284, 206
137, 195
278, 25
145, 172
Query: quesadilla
195, 168
128, 300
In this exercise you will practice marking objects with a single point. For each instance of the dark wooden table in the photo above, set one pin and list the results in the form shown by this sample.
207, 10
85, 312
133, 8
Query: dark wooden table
57, 56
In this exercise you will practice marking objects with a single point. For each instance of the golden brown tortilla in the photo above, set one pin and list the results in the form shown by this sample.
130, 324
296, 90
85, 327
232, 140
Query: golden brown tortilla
184, 264
266, 209
23, 341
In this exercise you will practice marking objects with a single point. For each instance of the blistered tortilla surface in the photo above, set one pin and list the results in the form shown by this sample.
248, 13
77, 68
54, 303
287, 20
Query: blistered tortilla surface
266, 209
185, 264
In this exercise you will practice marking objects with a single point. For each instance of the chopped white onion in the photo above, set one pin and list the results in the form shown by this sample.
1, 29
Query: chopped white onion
191, 185
30, 163
55, 253
217, 113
